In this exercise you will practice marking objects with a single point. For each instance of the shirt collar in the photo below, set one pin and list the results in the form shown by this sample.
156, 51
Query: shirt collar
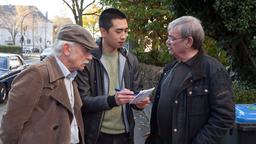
65, 71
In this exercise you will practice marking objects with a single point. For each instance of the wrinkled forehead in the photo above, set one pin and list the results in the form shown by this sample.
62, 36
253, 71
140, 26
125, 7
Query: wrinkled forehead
174, 31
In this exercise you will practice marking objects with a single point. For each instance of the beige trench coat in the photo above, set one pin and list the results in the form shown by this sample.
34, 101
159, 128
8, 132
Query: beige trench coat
38, 109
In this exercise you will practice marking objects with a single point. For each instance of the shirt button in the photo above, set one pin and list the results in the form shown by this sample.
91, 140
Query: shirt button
176, 101
175, 130
206, 90
190, 92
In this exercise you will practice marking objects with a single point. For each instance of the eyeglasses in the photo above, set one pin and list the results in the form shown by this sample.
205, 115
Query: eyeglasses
172, 38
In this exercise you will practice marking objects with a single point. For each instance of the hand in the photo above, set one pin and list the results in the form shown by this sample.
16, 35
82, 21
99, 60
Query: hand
143, 103
124, 96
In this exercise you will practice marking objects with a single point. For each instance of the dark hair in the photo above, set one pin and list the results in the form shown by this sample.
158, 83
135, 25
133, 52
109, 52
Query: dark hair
106, 17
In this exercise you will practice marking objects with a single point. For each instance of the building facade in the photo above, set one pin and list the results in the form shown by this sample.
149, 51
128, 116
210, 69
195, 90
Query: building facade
28, 27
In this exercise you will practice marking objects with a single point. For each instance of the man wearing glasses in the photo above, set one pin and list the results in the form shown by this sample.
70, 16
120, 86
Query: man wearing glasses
193, 102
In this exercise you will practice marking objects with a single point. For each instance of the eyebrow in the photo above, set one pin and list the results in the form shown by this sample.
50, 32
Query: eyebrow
121, 28
171, 36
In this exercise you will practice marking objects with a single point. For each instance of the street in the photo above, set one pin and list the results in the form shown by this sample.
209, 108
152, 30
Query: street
141, 117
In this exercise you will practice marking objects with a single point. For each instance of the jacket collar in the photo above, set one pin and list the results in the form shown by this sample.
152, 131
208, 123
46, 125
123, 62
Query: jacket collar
197, 66
59, 94
195, 63
97, 53
54, 70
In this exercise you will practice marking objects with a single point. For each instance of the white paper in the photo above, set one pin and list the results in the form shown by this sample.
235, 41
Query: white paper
142, 95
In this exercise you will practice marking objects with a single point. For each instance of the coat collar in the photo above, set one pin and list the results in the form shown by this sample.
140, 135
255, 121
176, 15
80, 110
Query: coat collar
196, 65
59, 93
53, 68
97, 53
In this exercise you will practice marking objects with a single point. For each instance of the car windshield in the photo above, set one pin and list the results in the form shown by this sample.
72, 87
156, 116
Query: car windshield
3, 63
15, 62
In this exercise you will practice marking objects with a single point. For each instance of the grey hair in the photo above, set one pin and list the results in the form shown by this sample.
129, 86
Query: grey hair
189, 26
58, 45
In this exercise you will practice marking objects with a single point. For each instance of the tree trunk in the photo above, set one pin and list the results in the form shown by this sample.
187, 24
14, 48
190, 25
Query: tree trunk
243, 60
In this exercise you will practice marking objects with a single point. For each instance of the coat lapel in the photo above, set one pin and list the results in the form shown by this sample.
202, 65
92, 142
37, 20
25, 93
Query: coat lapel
56, 76
61, 96
78, 102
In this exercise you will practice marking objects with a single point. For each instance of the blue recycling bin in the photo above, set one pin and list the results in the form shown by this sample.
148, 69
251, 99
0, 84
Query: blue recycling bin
244, 131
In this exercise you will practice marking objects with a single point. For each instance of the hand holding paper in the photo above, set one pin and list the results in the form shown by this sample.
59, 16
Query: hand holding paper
142, 95
123, 96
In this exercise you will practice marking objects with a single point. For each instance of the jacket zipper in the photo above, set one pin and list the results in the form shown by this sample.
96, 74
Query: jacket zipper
103, 113
101, 120
125, 119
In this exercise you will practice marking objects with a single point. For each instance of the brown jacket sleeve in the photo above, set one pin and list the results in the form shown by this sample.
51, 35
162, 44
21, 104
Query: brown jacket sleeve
23, 96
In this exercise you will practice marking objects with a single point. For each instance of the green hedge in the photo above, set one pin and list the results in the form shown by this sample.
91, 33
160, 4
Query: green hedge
10, 49
244, 92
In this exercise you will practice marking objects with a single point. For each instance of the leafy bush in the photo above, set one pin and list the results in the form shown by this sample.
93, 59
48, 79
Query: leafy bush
211, 47
10, 49
154, 57
160, 56
244, 92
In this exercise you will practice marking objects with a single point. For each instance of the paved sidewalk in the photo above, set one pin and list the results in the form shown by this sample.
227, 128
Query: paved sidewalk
142, 119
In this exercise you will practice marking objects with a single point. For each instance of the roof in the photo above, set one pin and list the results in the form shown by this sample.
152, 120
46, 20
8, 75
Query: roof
12, 9
8, 54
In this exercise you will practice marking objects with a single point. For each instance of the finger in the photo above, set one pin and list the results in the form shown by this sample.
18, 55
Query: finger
126, 91
124, 96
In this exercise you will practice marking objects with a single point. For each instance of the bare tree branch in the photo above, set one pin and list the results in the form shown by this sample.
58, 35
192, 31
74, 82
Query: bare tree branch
94, 13
72, 8
88, 5
67, 4
77, 9
81, 5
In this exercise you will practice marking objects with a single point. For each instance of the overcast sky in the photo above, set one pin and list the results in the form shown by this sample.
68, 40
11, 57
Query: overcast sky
53, 7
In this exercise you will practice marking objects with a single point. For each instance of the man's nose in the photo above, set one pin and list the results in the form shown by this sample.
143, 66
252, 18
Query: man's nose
124, 35
89, 56
167, 42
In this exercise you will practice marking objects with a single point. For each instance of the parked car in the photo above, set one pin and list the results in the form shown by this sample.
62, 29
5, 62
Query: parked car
27, 49
46, 52
10, 66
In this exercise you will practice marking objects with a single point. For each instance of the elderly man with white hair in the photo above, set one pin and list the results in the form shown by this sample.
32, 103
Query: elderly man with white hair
44, 105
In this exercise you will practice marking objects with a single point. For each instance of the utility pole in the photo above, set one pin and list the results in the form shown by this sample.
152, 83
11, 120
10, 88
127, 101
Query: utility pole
33, 32
45, 29
21, 27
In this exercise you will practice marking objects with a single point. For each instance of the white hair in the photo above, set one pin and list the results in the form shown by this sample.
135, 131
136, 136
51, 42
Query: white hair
189, 26
58, 45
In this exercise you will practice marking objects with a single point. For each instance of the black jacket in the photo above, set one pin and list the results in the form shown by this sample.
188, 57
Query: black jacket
92, 82
203, 109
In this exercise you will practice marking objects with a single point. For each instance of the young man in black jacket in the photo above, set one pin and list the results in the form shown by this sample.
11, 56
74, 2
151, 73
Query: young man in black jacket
108, 116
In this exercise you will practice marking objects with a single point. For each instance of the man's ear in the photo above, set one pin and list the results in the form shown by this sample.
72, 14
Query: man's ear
66, 49
103, 32
189, 42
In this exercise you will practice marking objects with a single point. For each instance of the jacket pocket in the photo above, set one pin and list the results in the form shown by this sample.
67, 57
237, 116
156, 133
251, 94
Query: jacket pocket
197, 100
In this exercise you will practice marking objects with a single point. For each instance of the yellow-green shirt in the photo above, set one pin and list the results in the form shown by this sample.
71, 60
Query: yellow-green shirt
112, 121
